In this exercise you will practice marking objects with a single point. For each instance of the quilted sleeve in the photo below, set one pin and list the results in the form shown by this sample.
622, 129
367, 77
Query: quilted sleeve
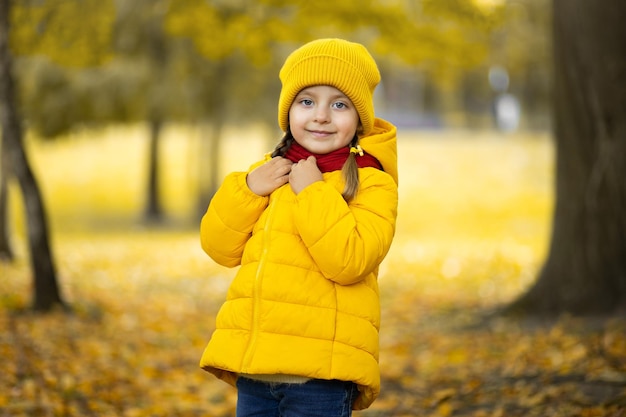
347, 242
227, 224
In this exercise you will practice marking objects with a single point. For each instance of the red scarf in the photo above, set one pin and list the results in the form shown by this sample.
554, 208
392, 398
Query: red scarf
332, 161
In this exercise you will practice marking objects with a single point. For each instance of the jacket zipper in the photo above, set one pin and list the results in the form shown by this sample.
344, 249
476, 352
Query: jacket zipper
256, 291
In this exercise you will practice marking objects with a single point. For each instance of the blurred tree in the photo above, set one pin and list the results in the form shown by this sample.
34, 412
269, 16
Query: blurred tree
6, 250
58, 45
180, 84
83, 43
139, 37
74, 33
46, 290
232, 37
117, 72
585, 272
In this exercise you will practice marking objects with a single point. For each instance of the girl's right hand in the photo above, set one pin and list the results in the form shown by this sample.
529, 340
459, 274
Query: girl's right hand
266, 178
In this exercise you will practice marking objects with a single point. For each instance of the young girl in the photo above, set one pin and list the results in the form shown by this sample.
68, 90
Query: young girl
308, 226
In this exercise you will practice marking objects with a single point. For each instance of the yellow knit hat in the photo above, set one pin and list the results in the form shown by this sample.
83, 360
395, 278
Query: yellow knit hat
345, 65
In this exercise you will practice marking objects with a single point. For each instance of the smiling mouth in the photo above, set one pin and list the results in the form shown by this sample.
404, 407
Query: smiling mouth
320, 133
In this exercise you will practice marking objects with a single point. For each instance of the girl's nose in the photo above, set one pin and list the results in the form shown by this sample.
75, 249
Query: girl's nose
322, 115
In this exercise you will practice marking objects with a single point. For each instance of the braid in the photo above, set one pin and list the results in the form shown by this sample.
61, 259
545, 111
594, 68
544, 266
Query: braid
283, 145
350, 173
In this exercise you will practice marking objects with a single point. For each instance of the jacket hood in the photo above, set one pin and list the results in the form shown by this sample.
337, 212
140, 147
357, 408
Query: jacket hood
382, 144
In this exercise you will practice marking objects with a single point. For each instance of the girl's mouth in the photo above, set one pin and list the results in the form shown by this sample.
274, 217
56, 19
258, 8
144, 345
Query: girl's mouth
319, 133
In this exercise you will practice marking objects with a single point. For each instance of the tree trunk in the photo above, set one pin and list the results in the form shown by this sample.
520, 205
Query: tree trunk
6, 252
154, 211
209, 167
46, 291
158, 57
215, 149
585, 272
211, 144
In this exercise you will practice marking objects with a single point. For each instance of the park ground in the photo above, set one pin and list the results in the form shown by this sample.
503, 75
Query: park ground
473, 231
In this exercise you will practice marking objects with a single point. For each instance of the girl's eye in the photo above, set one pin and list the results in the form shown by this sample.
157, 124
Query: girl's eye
340, 105
306, 101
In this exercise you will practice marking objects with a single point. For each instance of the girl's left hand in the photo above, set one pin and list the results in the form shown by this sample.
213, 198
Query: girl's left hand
304, 173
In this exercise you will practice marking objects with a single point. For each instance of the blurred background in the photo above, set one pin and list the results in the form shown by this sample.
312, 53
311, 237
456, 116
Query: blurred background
202, 76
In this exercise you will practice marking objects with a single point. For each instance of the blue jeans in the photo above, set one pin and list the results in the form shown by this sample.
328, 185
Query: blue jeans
315, 398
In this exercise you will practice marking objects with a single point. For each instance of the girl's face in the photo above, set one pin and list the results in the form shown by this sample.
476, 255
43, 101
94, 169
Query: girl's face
322, 119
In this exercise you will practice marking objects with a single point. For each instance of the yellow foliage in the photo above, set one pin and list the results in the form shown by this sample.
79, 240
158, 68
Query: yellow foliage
72, 33
441, 36
219, 30
206, 20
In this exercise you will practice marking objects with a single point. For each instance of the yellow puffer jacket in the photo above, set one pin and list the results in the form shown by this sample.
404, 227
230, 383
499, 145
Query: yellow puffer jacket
305, 300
